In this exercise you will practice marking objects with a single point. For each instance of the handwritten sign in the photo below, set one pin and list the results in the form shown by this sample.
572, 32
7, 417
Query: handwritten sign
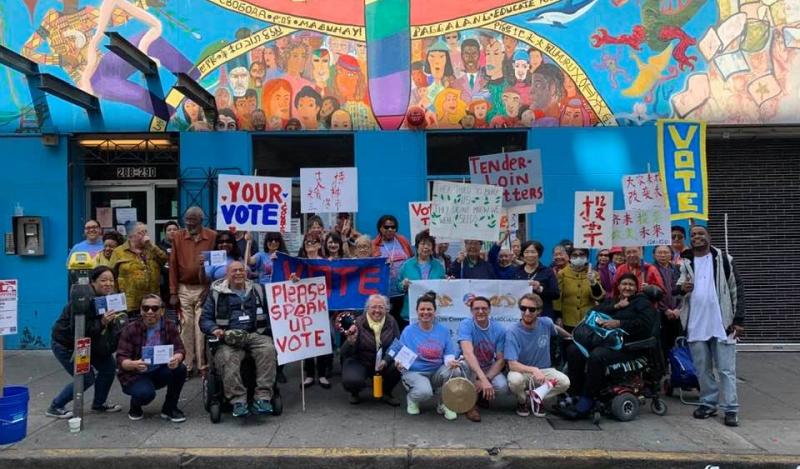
254, 203
326, 190
298, 313
643, 191
8, 307
593, 219
465, 211
349, 282
641, 227
682, 162
419, 216
519, 173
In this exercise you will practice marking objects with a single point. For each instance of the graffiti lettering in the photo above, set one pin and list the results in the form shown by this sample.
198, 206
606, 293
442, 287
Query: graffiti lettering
479, 19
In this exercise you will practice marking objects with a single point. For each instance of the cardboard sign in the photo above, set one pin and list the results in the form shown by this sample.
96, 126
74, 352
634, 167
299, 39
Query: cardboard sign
254, 203
642, 191
465, 211
298, 313
641, 227
326, 190
519, 173
682, 162
83, 355
8, 307
593, 219
349, 282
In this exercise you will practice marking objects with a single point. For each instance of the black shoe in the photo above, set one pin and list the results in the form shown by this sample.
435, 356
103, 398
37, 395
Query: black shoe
731, 419
355, 399
704, 412
136, 413
174, 415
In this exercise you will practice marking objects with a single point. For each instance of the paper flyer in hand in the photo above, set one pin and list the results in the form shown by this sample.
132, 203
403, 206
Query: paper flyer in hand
116, 302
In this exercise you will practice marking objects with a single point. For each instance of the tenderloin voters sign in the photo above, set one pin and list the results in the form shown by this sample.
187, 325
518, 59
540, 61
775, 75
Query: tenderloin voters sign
298, 313
254, 203
465, 211
519, 173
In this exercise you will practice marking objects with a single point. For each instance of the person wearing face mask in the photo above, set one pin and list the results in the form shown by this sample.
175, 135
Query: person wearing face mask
469, 264
420, 267
580, 289
647, 274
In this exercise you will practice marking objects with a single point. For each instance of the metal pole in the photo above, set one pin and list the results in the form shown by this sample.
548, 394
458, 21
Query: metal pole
77, 380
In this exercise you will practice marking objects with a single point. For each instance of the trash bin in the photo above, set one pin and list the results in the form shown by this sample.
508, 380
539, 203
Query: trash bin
13, 414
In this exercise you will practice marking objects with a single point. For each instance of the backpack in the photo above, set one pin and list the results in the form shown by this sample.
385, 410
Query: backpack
588, 334
683, 374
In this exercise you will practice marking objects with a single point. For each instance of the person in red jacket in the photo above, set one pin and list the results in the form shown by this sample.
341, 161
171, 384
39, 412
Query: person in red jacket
647, 274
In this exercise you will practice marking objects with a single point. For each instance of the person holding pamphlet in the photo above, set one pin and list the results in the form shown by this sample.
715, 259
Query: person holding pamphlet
226, 242
98, 328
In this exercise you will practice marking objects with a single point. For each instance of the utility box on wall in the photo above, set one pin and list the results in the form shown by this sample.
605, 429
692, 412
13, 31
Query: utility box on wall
28, 236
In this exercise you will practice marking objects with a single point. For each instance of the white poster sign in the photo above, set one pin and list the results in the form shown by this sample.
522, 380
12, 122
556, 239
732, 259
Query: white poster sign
593, 219
254, 203
465, 211
298, 312
519, 173
8, 307
641, 227
327, 190
642, 191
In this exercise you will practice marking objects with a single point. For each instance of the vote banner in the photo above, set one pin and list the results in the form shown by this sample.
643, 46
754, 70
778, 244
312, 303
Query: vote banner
453, 298
298, 313
254, 203
519, 173
349, 282
465, 211
682, 163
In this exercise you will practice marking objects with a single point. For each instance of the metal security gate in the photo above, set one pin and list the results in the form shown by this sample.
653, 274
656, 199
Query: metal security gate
754, 177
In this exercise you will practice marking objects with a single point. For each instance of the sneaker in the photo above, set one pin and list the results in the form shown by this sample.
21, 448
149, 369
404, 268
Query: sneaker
355, 399
58, 412
538, 410
136, 413
240, 410
412, 407
448, 414
107, 408
324, 382
391, 400
473, 414
308, 382
262, 406
523, 409
175, 415
732, 419
704, 412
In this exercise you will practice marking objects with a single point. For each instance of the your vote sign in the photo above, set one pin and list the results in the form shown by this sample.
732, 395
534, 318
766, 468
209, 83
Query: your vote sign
254, 203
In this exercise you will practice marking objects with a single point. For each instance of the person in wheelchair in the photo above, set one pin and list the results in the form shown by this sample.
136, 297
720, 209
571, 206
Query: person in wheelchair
234, 314
633, 312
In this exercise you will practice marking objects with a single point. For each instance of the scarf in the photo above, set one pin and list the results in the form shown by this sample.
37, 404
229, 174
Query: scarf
376, 327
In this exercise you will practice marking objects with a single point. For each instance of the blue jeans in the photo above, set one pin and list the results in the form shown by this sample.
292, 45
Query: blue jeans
143, 389
715, 354
106, 368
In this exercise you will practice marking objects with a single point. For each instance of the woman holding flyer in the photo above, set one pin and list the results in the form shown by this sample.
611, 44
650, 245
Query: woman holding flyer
103, 367
435, 360
225, 242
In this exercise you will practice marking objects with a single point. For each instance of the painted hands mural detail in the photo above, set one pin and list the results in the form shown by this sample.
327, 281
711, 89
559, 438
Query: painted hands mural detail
368, 64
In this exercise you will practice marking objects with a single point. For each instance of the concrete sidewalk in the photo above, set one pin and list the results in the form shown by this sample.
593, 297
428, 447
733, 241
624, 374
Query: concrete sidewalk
372, 434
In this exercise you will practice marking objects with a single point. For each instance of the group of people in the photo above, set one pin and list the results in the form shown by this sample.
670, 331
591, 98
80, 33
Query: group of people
701, 297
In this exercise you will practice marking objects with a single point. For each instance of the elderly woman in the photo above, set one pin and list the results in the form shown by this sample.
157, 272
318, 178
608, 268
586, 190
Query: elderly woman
138, 265
668, 308
420, 267
580, 289
225, 242
362, 248
372, 332
436, 358
111, 241
630, 311
646, 273
560, 258
396, 249
541, 278
140, 379
102, 368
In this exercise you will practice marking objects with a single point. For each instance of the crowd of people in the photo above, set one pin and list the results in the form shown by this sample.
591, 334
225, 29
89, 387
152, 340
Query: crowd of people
174, 297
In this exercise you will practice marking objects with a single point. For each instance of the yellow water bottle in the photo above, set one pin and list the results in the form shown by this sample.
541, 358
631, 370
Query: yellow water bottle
377, 386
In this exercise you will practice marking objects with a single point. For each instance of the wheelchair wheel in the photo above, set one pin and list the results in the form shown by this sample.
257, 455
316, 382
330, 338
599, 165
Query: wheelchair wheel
214, 413
625, 407
207, 393
658, 407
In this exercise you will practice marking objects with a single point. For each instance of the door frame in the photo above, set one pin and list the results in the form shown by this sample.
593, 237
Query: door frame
148, 186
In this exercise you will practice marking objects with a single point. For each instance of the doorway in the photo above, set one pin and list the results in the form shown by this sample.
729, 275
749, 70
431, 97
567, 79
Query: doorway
116, 205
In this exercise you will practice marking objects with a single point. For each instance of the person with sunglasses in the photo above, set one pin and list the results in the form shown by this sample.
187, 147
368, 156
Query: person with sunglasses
261, 262
140, 379
321, 366
527, 352
396, 249
93, 243
225, 242
678, 243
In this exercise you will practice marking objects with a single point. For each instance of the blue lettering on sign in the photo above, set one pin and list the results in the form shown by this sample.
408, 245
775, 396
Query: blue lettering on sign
253, 214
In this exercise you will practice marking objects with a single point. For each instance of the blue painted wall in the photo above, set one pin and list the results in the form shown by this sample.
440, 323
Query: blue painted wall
36, 176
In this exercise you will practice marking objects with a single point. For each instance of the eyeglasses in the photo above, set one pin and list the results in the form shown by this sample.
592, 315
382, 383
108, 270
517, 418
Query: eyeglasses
677, 236
530, 309
150, 308
311, 242
389, 227
91, 227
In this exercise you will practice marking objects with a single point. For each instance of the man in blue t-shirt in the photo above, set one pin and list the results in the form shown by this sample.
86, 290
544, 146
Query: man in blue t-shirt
93, 242
528, 354
482, 342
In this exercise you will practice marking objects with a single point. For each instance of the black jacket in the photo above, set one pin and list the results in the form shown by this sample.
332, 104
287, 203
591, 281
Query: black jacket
64, 331
365, 349
639, 319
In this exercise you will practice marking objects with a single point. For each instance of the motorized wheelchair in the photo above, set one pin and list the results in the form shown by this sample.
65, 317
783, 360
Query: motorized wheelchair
214, 393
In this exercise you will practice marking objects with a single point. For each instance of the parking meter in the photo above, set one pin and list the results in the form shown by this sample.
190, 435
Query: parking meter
80, 265
81, 296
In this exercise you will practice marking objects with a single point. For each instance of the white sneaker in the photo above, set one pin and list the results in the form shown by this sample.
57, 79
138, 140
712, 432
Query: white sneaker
448, 414
412, 407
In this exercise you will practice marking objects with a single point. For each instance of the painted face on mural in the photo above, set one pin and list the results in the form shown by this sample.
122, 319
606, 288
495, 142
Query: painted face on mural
494, 60
471, 55
521, 68
326, 109
572, 117
452, 40
258, 120
437, 61
534, 59
225, 123
509, 44
321, 68
361, 51
570, 90
450, 103
339, 46
307, 112
279, 104
239, 77
192, 110
527, 118
269, 58
245, 107
340, 120
223, 98
541, 92
511, 102
481, 110
297, 61
257, 71
346, 83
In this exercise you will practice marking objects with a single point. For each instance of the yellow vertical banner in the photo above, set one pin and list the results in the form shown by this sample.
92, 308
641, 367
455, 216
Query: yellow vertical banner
682, 164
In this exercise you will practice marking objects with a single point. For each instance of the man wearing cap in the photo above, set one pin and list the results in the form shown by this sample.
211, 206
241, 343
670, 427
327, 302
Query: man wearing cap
473, 79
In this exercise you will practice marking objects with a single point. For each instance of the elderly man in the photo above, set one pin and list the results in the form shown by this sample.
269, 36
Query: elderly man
187, 282
646, 273
527, 351
713, 315
470, 264
93, 242
237, 304
138, 264
482, 342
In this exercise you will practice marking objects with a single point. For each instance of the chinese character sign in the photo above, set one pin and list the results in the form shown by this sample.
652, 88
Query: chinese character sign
643, 191
465, 211
682, 161
519, 173
649, 227
254, 203
328, 190
594, 213
8, 307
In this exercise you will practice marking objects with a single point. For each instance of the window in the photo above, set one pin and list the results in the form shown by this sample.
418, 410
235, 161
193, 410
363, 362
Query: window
448, 153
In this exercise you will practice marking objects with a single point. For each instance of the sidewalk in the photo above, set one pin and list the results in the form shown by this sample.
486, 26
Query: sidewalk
333, 430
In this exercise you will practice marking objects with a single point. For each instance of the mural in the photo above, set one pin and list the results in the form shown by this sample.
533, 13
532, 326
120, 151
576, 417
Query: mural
389, 64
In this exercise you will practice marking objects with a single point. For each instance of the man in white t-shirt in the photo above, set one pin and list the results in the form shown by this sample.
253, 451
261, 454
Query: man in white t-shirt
713, 315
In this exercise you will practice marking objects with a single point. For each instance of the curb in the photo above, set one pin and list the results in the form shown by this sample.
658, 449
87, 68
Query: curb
334, 458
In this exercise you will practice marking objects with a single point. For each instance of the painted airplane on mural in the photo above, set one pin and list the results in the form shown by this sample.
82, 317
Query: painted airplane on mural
387, 64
